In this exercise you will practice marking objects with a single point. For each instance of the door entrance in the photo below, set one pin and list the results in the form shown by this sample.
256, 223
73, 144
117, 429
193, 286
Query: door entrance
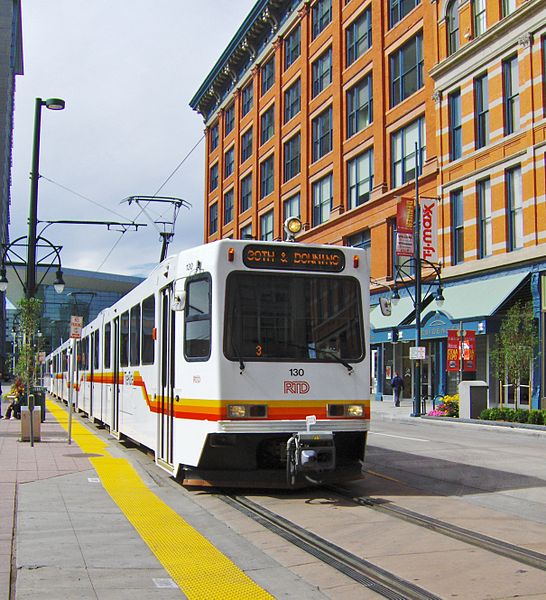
166, 380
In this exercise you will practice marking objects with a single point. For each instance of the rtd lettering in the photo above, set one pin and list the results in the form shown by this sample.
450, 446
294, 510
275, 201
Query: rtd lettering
261, 256
428, 221
296, 387
316, 258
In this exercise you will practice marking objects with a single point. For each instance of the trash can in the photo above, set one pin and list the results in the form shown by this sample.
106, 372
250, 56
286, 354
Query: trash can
39, 401
25, 424
472, 398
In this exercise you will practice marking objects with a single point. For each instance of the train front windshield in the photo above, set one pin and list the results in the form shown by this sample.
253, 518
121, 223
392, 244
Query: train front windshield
293, 317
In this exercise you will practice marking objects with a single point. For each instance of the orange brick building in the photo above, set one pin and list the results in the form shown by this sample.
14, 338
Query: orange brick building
315, 109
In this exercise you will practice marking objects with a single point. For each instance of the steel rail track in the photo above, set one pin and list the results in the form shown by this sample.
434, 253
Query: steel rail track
506, 549
364, 572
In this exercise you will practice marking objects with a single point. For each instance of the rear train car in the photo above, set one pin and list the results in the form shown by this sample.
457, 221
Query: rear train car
238, 363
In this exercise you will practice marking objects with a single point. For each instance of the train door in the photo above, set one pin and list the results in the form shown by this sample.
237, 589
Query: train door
114, 426
166, 378
92, 342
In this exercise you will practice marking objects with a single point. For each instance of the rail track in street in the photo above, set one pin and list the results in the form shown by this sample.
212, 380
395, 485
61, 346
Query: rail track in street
500, 547
371, 576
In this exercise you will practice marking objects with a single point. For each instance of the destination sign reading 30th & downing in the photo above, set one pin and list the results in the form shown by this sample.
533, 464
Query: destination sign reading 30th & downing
291, 257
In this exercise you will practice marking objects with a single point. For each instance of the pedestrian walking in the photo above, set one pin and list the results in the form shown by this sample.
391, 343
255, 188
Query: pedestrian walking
397, 384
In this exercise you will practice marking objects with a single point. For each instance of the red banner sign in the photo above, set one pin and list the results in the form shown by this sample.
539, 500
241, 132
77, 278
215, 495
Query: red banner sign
405, 215
461, 350
452, 363
469, 351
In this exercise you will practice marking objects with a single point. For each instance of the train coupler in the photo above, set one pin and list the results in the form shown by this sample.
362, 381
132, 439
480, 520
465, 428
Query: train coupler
310, 452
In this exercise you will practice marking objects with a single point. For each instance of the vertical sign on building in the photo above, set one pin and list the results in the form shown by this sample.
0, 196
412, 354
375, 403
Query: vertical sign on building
405, 215
428, 229
76, 324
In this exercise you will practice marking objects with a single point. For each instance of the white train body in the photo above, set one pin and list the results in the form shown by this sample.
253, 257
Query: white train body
216, 360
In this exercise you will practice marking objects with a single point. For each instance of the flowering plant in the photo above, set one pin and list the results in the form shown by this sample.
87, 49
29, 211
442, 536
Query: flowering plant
436, 413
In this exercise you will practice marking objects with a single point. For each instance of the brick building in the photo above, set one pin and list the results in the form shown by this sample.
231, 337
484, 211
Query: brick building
316, 109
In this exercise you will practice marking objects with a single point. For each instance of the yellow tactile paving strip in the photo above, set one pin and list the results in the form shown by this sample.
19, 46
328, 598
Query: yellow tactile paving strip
198, 568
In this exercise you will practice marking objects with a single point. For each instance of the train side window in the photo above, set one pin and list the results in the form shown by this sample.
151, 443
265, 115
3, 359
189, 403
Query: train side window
135, 336
107, 342
197, 331
64, 362
96, 355
148, 324
124, 340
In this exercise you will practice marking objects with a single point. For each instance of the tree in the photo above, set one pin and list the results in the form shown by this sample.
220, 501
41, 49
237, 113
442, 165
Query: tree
516, 345
26, 367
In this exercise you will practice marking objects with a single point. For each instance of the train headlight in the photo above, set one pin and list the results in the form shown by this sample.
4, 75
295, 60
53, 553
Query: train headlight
292, 226
236, 411
355, 410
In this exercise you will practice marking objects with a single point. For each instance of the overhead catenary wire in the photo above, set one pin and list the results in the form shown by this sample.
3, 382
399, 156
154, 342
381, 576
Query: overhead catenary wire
142, 209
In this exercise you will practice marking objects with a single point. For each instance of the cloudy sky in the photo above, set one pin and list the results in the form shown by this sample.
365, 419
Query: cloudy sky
127, 70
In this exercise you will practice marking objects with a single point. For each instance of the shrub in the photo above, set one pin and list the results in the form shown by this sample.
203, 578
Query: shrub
485, 415
521, 415
535, 417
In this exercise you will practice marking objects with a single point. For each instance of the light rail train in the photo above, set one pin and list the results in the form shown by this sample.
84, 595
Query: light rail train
238, 363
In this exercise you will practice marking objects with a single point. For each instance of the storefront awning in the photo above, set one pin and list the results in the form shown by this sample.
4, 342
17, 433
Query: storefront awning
477, 299
399, 313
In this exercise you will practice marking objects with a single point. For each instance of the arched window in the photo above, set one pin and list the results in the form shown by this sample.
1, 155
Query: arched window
479, 16
452, 18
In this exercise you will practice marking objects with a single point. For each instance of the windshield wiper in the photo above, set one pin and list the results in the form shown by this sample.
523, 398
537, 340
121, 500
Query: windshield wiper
349, 367
331, 353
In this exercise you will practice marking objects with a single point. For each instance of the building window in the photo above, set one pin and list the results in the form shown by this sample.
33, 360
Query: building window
266, 227
228, 206
321, 16
246, 232
510, 74
214, 137
360, 179
229, 119
359, 106
291, 207
268, 75
322, 134
322, 72
292, 101
358, 36
485, 231
514, 208
292, 47
362, 239
246, 193
407, 70
404, 143
213, 177
481, 98
455, 125
457, 220
398, 9
247, 96
544, 72
508, 7
479, 16
266, 177
246, 145
453, 27
267, 125
213, 218
229, 162
322, 200
292, 157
